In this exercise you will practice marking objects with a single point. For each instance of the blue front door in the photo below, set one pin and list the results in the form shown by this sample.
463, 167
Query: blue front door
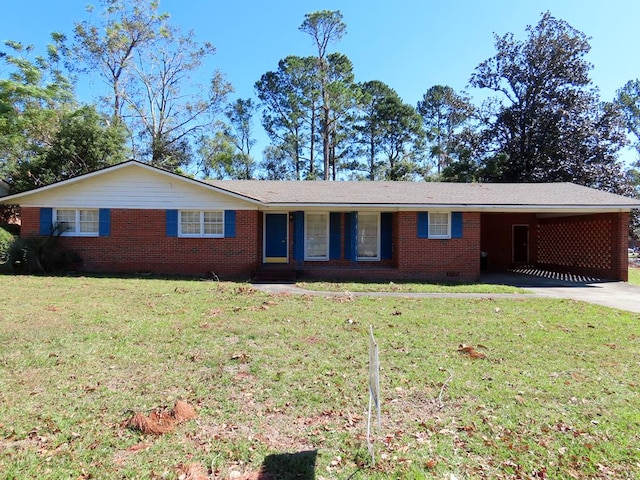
276, 245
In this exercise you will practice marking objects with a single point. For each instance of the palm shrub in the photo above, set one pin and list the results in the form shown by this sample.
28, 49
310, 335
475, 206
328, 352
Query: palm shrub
39, 254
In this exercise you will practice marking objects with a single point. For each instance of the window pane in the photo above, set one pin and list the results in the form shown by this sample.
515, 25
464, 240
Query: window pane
190, 223
88, 221
438, 224
316, 224
367, 236
66, 219
213, 224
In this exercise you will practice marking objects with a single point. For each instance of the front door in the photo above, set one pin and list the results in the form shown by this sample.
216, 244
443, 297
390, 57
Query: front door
520, 243
276, 237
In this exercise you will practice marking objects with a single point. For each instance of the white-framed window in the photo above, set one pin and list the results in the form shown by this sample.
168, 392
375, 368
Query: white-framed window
201, 223
439, 225
77, 222
368, 236
316, 236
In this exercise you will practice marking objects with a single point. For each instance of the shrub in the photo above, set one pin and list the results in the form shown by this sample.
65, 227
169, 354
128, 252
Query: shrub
39, 255
6, 239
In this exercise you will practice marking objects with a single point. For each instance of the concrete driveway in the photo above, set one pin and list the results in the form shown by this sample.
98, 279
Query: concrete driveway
620, 295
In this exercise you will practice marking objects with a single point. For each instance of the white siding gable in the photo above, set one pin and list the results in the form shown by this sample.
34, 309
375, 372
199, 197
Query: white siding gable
135, 187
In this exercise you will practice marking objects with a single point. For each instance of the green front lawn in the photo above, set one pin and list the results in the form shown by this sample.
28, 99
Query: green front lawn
634, 275
409, 287
554, 392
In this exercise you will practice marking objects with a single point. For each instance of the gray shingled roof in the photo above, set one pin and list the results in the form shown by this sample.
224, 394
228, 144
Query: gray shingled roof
543, 197
420, 193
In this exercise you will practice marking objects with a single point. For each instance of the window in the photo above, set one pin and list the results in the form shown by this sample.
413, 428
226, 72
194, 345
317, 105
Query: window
316, 236
368, 236
77, 222
439, 225
196, 223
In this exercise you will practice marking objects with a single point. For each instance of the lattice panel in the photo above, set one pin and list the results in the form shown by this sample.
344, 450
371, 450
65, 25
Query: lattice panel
575, 243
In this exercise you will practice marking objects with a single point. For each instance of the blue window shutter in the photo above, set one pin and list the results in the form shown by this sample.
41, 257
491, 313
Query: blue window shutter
334, 235
423, 224
456, 224
172, 223
230, 224
46, 221
351, 236
386, 236
104, 219
298, 239
347, 236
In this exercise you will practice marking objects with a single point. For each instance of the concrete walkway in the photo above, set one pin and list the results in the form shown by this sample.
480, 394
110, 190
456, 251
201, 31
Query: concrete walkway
620, 295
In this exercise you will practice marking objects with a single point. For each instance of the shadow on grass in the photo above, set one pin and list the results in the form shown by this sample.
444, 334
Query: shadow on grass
289, 466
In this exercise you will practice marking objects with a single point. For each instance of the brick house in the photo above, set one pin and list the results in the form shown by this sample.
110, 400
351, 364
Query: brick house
132, 217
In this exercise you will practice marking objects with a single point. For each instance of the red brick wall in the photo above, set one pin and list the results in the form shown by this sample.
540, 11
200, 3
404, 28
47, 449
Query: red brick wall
456, 259
497, 237
448, 260
138, 243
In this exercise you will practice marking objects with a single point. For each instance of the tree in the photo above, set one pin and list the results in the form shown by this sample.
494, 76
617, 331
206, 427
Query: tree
109, 48
547, 125
239, 131
445, 114
149, 65
402, 139
343, 94
228, 153
84, 142
369, 127
325, 27
216, 154
33, 98
290, 102
388, 134
628, 97
275, 164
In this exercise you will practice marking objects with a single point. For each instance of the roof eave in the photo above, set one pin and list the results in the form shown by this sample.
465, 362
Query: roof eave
449, 206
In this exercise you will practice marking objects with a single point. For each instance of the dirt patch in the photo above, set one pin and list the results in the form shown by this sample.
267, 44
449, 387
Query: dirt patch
161, 421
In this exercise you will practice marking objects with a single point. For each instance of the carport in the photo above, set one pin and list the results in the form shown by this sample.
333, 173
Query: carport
579, 241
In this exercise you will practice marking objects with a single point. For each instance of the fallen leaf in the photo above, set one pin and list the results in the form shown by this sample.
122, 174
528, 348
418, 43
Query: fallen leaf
138, 447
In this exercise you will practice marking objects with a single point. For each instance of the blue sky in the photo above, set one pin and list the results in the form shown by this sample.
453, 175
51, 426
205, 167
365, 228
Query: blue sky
409, 44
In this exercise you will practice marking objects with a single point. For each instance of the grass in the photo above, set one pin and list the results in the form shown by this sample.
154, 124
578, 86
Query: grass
634, 275
409, 287
280, 382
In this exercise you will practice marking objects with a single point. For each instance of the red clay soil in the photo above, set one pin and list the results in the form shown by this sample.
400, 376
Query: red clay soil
471, 351
159, 421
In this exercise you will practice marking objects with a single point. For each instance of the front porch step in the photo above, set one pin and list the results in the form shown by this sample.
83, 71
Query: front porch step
274, 274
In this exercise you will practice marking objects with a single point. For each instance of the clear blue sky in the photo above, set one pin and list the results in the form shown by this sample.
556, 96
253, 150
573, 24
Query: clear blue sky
409, 44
